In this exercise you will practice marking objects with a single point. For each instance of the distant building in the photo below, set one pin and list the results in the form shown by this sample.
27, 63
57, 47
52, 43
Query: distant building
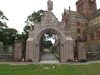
79, 33
85, 27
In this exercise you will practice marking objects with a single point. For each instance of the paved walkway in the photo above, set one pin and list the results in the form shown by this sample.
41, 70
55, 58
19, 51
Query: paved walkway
48, 57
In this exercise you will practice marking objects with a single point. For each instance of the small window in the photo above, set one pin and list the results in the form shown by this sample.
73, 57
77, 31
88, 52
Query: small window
91, 36
78, 30
78, 23
66, 22
86, 24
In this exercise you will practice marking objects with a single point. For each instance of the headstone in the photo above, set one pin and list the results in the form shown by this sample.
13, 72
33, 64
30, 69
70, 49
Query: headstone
1, 47
10, 49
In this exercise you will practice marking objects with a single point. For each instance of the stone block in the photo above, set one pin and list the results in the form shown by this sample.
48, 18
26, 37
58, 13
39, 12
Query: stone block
81, 51
1, 47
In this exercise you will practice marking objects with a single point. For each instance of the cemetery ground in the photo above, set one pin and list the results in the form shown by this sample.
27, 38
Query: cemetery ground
50, 69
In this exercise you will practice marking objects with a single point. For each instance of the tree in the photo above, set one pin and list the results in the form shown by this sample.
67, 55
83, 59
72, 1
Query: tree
10, 35
35, 16
3, 18
31, 19
7, 35
47, 44
2, 21
3, 26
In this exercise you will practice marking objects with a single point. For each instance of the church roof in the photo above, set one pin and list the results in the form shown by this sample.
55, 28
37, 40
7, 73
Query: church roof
95, 14
77, 14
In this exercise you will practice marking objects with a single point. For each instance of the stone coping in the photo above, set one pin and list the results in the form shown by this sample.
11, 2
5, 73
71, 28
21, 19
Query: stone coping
68, 63
19, 41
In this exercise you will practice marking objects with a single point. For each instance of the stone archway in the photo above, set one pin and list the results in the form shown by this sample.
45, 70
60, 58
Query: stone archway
66, 45
49, 23
52, 30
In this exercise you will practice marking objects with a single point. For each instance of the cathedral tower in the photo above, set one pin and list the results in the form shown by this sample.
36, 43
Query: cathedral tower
86, 7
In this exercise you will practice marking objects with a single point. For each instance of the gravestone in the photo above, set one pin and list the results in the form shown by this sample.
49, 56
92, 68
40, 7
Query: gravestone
10, 49
1, 47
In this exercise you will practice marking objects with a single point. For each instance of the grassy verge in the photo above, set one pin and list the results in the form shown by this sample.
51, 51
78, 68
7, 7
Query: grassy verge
47, 69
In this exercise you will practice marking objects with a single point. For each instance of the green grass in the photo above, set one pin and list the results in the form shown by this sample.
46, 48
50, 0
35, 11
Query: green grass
65, 69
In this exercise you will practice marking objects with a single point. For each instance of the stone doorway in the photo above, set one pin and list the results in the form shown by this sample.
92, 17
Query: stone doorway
49, 47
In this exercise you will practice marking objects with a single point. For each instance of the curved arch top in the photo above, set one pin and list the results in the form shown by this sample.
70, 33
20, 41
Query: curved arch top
52, 30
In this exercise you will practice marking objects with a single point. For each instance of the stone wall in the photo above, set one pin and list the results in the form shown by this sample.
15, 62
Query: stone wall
93, 50
19, 47
6, 57
86, 7
6, 53
1, 47
81, 51
94, 21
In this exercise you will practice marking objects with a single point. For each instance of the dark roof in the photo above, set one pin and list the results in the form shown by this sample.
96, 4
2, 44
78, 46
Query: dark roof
95, 14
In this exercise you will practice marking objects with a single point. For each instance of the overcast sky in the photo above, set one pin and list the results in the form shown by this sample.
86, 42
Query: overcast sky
18, 10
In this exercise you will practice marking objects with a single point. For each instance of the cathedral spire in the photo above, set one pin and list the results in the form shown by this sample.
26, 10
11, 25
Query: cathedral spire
50, 5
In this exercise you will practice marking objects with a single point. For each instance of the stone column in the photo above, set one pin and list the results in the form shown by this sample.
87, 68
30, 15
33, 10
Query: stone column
70, 49
19, 46
1, 47
67, 50
81, 51
62, 53
29, 49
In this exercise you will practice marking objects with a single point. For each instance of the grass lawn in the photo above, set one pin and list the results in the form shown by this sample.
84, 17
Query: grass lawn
47, 69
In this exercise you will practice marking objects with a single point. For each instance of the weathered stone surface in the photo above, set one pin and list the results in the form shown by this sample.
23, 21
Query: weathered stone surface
1, 47
19, 46
81, 51
81, 26
10, 49
51, 24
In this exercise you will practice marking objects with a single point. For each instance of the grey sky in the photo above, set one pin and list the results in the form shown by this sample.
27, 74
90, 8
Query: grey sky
18, 10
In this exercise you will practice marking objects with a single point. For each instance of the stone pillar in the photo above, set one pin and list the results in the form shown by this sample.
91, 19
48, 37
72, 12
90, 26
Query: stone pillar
19, 46
70, 48
29, 49
81, 51
1, 47
62, 53
67, 50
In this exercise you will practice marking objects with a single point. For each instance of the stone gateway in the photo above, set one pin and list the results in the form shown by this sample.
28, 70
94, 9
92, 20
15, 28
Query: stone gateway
49, 23
79, 33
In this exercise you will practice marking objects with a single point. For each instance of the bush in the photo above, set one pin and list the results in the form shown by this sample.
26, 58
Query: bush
82, 60
29, 60
76, 60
